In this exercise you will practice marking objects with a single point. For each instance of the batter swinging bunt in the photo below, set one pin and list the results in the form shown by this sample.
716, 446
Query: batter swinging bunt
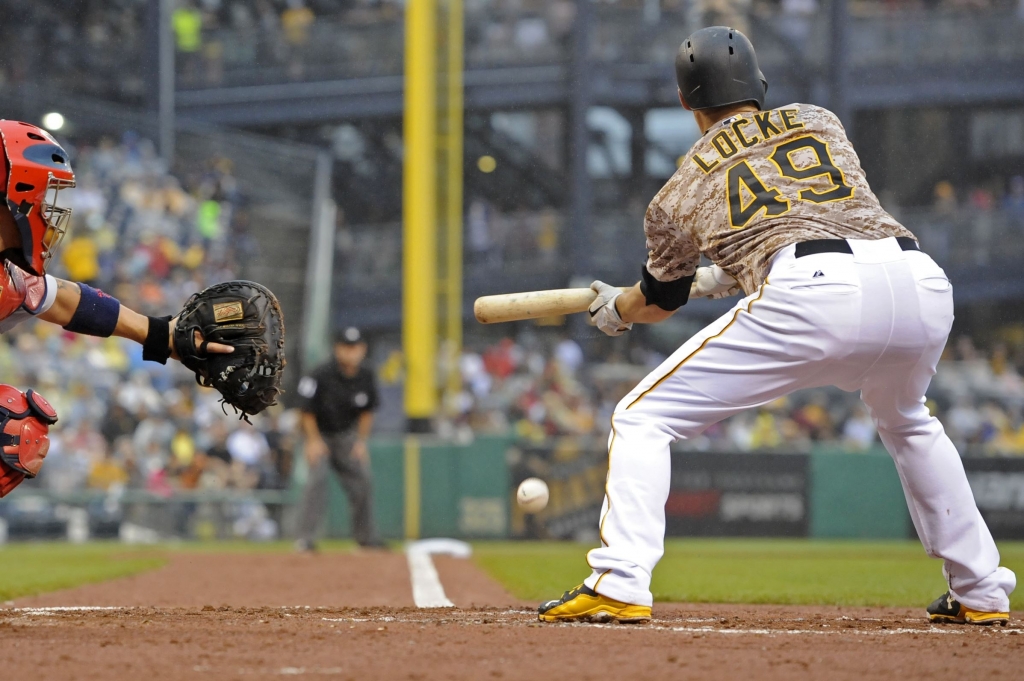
837, 293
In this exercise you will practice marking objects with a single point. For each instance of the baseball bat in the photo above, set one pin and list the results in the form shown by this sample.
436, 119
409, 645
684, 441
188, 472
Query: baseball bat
510, 307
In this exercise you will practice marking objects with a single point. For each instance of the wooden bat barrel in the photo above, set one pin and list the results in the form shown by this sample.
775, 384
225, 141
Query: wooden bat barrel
510, 307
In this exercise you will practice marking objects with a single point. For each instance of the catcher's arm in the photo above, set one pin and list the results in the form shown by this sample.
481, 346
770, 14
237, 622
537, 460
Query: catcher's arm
130, 324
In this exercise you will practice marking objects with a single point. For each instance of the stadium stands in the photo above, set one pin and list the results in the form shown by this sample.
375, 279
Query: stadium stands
328, 73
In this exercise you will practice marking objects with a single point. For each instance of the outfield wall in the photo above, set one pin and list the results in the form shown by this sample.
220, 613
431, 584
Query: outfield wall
462, 490
468, 491
428, 488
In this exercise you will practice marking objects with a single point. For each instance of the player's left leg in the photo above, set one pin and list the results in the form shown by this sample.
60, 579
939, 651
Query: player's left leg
938, 494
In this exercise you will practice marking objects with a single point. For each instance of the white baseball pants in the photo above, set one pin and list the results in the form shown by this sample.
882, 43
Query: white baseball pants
875, 321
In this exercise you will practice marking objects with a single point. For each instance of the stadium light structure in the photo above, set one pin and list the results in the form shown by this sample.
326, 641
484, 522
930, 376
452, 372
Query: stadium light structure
53, 121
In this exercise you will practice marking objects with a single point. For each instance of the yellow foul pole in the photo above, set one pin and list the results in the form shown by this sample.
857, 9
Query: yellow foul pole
419, 213
453, 197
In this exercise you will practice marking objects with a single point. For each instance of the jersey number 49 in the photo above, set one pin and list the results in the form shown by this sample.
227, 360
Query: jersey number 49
749, 195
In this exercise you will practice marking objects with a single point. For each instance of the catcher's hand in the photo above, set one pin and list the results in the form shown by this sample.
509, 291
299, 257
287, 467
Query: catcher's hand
245, 317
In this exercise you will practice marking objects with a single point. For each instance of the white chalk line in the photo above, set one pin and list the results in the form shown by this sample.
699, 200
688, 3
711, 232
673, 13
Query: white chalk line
817, 632
283, 671
427, 591
938, 630
56, 610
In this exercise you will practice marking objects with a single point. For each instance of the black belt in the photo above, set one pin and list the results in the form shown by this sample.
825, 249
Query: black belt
843, 246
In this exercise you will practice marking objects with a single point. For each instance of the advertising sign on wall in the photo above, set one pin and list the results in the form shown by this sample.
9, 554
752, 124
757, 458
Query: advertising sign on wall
575, 472
715, 494
998, 486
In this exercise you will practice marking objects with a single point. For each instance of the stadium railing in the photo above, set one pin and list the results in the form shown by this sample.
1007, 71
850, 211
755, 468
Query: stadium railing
141, 516
334, 48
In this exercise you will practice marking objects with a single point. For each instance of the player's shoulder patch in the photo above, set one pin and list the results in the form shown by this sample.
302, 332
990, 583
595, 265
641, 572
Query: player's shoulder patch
307, 387
815, 110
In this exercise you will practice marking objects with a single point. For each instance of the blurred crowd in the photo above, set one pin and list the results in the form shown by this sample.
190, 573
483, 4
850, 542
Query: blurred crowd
104, 47
540, 387
150, 238
222, 41
94, 46
967, 226
976, 225
492, 238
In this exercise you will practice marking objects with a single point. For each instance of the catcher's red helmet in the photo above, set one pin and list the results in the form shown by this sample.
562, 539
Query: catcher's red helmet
35, 166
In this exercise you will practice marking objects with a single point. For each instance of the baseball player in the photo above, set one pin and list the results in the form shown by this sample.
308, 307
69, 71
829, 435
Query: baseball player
836, 293
35, 169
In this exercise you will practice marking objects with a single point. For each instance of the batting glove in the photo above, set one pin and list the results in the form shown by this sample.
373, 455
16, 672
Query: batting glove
713, 282
603, 314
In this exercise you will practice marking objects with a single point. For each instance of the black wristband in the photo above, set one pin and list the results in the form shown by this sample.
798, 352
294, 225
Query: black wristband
157, 347
668, 295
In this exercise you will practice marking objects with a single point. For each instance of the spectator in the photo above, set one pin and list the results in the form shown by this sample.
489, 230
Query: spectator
945, 199
106, 473
569, 355
81, 260
117, 423
296, 21
859, 431
1013, 202
187, 23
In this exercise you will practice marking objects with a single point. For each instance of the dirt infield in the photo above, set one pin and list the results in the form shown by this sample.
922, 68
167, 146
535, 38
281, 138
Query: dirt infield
206, 616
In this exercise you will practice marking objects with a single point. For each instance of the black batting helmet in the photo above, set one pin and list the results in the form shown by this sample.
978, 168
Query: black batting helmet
716, 66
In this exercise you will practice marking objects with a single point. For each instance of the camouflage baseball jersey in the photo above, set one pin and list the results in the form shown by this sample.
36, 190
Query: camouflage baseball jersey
756, 182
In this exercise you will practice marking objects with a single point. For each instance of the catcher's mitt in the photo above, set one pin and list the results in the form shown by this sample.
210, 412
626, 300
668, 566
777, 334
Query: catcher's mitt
246, 316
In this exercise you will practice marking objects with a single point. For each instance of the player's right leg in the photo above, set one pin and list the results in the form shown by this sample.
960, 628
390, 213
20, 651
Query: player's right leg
938, 495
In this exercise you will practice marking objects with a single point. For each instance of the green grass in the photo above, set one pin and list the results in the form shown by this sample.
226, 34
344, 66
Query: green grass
748, 571
693, 570
35, 568
30, 569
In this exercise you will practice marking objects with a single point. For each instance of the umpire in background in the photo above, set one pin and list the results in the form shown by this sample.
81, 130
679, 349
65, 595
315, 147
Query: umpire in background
337, 416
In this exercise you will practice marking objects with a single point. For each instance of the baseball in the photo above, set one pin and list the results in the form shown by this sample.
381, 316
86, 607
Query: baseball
532, 496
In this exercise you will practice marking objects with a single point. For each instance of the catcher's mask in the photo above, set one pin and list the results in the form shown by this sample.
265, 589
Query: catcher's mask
25, 419
37, 168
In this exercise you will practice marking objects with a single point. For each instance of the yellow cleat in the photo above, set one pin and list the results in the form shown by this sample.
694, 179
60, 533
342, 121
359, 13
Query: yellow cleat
948, 610
583, 604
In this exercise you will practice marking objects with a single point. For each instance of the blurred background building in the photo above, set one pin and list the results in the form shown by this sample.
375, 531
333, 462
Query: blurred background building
228, 138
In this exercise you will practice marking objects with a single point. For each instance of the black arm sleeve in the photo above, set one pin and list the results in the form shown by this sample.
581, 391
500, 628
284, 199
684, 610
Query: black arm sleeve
668, 295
